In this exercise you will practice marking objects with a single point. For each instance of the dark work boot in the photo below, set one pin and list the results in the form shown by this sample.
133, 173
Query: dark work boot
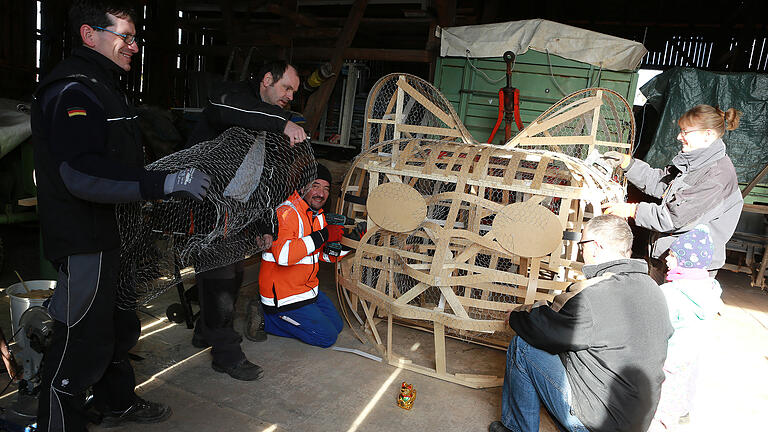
254, 322
142, 411
243, 370
497, 426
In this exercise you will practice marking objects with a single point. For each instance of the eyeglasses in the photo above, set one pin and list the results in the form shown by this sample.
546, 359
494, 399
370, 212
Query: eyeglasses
685, 133
583, 242
127, 38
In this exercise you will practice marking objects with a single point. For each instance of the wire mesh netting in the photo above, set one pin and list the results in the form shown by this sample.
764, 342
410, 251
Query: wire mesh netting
500, 223
421, 112
251, 174
594, 112
494, 223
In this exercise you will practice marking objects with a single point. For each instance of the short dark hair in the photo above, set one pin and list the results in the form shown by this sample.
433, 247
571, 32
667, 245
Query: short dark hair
276, 68
94, 13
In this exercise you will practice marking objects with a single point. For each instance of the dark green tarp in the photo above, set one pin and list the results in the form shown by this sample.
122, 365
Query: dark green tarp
675, 91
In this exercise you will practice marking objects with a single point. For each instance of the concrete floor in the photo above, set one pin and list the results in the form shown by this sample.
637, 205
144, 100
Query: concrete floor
313, 389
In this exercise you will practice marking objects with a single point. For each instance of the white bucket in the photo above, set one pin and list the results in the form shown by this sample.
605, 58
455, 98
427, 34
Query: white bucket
19, 305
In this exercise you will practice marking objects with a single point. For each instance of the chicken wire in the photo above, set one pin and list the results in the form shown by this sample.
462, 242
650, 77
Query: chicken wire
251, 174
615, 123
472, 216
429, 108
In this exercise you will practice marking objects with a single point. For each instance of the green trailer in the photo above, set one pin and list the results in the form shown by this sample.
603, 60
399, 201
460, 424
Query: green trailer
552, 60
16, 167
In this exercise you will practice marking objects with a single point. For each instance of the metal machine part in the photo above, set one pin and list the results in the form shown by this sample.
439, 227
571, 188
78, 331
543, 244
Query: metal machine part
37, 325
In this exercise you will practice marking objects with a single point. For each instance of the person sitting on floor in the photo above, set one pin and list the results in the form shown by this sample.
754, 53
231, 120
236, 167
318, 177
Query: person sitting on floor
293, 305
693, 298
594, 356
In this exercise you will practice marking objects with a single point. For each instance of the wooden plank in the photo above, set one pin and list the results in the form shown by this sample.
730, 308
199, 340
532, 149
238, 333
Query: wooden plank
582, 108
595, 121
477, 383
371, 321
755, 208
454, 301
412, 293
569, 140
381, 121
390, 336
428, 130
292, 15
538, 177
516, 185
439, 333
533, 279
754, 181
426, 103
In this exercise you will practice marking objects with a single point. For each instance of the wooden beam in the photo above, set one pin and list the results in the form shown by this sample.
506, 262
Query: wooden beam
392, 55
319, 99
317, 33
446, 12
292, 15
288, 24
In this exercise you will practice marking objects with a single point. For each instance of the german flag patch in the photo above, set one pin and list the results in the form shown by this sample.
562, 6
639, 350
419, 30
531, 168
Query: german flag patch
76, 111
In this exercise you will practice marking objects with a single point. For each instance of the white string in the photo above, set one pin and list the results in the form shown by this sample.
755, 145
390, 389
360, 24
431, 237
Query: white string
487, 78
552, 74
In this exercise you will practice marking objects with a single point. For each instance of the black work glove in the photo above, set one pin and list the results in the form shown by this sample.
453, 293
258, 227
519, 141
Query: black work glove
187, 183
359, 231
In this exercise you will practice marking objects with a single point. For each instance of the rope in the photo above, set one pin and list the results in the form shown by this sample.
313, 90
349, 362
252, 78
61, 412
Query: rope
552, 74
487, 78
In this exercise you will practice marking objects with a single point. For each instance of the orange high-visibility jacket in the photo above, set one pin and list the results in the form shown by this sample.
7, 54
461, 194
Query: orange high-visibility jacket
288, 274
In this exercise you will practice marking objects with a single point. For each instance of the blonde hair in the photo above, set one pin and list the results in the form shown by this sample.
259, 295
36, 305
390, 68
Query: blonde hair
709, 117
612, 232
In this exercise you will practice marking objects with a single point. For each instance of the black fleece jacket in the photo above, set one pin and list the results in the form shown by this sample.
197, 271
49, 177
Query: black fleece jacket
611, 334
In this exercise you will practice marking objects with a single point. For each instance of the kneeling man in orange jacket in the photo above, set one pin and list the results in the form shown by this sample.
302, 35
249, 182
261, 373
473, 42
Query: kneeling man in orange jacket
288, 284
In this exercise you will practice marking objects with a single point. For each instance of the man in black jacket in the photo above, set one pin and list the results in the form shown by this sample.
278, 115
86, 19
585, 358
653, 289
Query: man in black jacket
594, 356
88, 157
259, 104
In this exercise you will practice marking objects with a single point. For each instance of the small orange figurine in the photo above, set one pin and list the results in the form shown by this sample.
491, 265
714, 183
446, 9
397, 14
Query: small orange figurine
406, 396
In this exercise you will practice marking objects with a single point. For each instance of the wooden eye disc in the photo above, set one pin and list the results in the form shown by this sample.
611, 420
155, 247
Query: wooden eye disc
396, 207
527, 230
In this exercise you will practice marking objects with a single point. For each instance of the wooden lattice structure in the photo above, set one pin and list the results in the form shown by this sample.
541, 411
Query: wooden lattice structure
458, 233
402, 105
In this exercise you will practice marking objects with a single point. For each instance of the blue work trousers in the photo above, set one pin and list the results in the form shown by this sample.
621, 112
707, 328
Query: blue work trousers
532, 377
317, 324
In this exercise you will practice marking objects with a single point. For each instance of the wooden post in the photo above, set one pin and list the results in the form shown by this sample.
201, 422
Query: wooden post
319, 99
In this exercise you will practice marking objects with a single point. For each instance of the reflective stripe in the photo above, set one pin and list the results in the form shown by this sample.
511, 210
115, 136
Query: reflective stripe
306, 295
267, 256
245, 110
309, 243
283, 257
122, 118
309, 260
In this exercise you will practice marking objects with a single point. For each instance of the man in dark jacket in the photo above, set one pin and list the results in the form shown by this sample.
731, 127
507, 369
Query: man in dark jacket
594, 356
259, 105
88, 157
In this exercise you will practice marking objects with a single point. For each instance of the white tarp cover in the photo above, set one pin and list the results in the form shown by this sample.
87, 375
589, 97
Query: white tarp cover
15, 126
492, 40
